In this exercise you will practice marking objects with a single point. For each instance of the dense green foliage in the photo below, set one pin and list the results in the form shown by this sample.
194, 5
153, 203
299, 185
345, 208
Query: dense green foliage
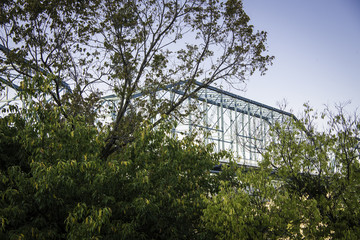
55, 186
64, 174
307, 186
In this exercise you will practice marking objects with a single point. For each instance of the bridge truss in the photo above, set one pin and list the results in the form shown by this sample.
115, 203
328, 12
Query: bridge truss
228, 121
235, 123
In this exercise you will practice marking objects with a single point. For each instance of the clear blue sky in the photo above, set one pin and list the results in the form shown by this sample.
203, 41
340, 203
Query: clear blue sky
316, 44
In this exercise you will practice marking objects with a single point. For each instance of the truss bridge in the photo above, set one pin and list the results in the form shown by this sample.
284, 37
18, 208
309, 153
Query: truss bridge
224, 119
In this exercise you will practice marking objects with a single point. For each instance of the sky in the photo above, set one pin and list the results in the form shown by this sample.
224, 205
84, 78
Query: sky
316, 44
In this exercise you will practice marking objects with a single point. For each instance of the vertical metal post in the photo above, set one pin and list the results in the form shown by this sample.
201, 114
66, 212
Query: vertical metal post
236, 130
231, 127
222, 122
205, 107
262, 130
243, 135
266, 130
249, 132
218, 125
272, 120
255, 134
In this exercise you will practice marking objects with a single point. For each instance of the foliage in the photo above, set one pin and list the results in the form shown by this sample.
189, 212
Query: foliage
57, 187
306, 186
93, 47
258, 208
323, 166
65, 175
54, 184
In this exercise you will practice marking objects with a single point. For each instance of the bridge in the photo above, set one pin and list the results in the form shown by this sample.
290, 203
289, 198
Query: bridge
227, 120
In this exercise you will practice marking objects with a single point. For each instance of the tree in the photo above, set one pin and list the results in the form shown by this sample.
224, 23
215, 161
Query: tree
254, 206
324, 166
44, 143
306, 186
57, 187
93, 47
